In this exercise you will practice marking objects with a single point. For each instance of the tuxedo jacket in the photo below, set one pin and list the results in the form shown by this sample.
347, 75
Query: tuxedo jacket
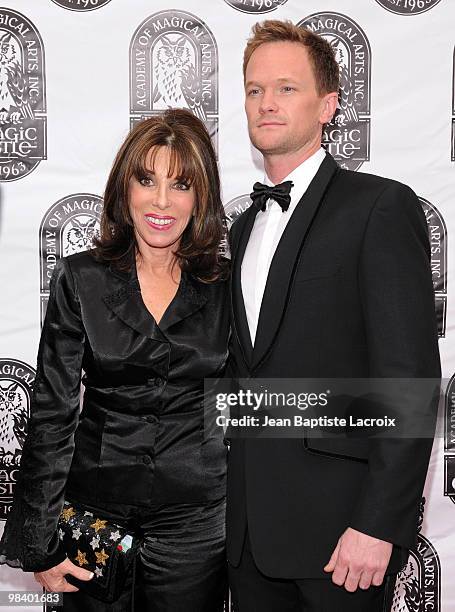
139, 440
348, 295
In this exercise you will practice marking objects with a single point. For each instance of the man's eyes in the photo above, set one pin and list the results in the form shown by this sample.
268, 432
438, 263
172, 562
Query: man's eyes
284, 88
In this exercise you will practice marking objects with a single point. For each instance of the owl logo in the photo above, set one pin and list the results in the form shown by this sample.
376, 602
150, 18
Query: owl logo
406, 597
175, 76
79, 234
14, 101
13, 423
346, 111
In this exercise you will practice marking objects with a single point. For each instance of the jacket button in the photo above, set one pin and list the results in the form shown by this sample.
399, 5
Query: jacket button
147, 459
159, 382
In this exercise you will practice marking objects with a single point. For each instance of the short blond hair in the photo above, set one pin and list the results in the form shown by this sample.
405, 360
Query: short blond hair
321, 54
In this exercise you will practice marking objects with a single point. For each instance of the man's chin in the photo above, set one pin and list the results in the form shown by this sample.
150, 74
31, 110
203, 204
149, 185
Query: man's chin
271, 148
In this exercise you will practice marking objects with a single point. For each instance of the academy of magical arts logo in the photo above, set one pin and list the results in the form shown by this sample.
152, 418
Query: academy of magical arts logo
408, 7
81, 5
437, 233
255, 6
68, 227
22, 96
174, 64
16, 380
232, 210
418, 586
347, 137
449, 441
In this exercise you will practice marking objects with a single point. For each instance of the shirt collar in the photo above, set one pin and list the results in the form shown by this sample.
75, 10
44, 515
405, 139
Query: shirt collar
301, 177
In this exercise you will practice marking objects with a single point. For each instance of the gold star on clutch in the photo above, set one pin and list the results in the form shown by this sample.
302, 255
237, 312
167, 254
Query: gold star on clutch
67, 513
101, 557
81, 558
98, 524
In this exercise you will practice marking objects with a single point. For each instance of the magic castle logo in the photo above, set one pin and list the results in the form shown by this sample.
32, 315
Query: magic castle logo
408, 7
174, 64
68, 227
16, 380
347, 137
22, 96
255, 6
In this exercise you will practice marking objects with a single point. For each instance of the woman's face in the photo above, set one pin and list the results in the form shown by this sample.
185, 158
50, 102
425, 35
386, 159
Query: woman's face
160, 207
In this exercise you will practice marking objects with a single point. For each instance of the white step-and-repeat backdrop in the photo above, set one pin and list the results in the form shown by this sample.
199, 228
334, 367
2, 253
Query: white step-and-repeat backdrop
75, 75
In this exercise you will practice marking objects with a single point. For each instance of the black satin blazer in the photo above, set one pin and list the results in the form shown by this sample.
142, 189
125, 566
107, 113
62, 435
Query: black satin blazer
139, 439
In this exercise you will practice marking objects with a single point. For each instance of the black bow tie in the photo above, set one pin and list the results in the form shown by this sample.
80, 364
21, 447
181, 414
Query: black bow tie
279, 193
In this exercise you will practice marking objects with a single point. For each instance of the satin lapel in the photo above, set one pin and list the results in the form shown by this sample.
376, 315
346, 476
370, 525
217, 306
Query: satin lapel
241, 329
125, 301
190, 297
285, 259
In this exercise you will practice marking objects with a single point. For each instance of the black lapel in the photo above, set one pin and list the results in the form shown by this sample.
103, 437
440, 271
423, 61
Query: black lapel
239, 319
125, 301
190, 297
285, 259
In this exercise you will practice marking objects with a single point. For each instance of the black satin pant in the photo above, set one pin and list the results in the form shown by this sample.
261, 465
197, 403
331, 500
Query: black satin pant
180, 566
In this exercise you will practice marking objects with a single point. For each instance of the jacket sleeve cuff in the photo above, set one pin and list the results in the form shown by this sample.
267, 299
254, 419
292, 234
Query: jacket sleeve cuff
55, 556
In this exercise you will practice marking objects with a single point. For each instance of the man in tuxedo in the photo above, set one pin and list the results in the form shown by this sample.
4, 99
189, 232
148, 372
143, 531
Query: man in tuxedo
330, 279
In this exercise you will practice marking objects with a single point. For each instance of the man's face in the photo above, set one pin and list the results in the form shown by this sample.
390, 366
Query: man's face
284, 111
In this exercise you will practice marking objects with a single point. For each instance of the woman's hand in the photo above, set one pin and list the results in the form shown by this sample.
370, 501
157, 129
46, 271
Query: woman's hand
53, 579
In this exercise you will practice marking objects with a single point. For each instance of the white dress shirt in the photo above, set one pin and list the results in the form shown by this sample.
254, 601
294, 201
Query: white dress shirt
268, 228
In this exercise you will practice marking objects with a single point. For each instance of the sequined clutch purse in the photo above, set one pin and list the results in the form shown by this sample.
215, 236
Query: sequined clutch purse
97, 545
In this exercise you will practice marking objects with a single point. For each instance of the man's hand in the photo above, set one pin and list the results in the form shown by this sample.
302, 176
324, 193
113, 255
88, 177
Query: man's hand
53, 579
359, 560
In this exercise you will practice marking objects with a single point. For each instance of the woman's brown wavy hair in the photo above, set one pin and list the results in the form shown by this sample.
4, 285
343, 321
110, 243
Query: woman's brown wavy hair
192, 160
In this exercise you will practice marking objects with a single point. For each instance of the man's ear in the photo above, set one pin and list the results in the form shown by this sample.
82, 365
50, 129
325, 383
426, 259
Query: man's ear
329, 107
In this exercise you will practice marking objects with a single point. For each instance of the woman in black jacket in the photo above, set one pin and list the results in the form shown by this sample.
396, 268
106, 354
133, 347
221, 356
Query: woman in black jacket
143, 316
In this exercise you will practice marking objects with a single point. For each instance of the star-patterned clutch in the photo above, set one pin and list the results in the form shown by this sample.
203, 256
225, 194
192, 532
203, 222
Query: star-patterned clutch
97, 545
